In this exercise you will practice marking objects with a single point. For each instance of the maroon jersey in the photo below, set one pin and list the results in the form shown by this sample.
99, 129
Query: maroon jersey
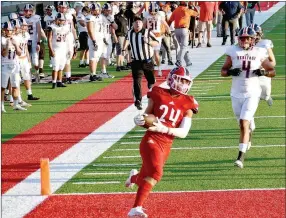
170, 110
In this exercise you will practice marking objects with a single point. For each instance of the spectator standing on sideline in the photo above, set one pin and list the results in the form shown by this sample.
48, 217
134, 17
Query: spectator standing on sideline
230, 13
250, 12
240, 19
207, 15
174, 109
181, 16
142, 42
120, 33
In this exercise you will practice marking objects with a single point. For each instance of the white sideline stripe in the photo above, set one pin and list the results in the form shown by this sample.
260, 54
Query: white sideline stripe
96, 183
24, 197
140, 130
129, 143
199, 87
232, 118
134, 136
121, 157
106, 173
200, 90
203, 148
228, 96
210, 75
112, 165
199, 93
174, 192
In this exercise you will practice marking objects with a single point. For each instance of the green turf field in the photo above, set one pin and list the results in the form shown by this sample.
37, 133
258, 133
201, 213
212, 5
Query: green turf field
209, 165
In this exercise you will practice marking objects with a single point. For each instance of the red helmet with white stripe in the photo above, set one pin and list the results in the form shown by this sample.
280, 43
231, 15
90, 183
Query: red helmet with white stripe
180, 80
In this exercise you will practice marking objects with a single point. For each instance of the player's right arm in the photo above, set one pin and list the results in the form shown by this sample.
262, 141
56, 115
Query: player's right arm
89, 26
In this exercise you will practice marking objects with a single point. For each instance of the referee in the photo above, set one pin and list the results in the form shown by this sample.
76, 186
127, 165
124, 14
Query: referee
142, 42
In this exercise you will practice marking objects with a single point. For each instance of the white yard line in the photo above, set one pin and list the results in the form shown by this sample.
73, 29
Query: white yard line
121, 157
105, 173
97, 183
112, 165
24, 197
203, 148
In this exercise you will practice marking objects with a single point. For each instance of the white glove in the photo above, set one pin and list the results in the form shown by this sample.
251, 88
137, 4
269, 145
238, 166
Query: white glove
77, 45
139, 120
158, 127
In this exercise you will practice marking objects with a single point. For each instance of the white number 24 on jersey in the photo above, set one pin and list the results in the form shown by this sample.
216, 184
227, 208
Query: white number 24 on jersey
174, 115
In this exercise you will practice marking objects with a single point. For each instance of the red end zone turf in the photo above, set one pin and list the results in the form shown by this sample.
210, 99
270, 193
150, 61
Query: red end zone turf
21, 155
220, 204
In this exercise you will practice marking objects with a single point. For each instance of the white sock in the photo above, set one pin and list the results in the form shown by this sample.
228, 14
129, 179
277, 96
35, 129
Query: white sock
81, 62
6, 91
103, 71
29, 92
93, 73
2, 104
87, 61
15, 102
11, 98
20, 98
41, 63
68, 74
243, 147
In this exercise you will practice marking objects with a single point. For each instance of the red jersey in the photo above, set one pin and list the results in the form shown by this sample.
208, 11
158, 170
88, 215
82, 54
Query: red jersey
170, 110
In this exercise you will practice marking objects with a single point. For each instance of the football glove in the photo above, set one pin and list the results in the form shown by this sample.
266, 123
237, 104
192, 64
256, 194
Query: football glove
139, 120
95, 45
234, 72
260, 72
77, 45
158, 127
110, 19
105, 42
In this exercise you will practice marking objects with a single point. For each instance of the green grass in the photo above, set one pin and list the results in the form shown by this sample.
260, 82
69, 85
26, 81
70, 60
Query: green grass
207, 169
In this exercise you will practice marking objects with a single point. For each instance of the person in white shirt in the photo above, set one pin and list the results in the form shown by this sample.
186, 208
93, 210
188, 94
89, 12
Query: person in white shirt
49, 19
243, 63
81, 13
72, 38
95, 39
10, 49
109, 27
265, 82
58, 42
34, 29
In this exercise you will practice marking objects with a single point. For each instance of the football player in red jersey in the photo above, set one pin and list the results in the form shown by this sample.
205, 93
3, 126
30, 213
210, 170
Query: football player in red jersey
174, 109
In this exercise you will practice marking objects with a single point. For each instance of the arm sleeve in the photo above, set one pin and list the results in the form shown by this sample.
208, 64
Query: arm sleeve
183, 130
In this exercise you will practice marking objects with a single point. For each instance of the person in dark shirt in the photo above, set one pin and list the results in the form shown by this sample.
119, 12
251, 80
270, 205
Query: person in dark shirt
250, 12
230, 14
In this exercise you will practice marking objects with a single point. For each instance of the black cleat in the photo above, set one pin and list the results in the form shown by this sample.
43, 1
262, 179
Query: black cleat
98, 78
32, 98
209, 45
170, 62
54, 85
118, 68
199, 45
60, 84
163, 62
124, 68
138, 104
81, 65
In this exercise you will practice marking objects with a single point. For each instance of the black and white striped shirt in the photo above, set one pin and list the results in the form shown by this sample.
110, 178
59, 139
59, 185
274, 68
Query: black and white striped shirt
140, 49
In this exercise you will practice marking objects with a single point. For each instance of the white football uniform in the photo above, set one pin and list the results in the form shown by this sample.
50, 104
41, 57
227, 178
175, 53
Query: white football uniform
10, 65
60, 46
24, 64
107, 49
95, 53
69, 22
265, 82
49, 20
80, 28
154, 24
32, 43
245, 89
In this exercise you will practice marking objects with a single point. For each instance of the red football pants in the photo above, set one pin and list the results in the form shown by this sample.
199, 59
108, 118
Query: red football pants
154, 155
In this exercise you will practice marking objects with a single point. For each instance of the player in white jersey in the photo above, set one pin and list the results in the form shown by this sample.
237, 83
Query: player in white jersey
34, 29
24, 59
109, 27
10, 66
95, 39
81, 12
265, 82
58, 46
154, 22
72, 38
243, 63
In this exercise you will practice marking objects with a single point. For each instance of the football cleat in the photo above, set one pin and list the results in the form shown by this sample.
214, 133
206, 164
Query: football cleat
248, 145
128, 183
106, 76
170, 62
60, 84
3, 110
18, 107
137, 212
24, 104
238, 163
32, 98
269, 102
138, 104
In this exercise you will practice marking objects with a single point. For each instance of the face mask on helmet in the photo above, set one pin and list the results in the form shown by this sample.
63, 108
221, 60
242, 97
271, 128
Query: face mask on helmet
153, 8
246, 38
179, 80
7, 28
28, 10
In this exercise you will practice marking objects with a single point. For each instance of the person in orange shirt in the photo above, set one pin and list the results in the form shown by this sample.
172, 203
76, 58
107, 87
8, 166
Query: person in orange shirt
181, 17
207, 11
